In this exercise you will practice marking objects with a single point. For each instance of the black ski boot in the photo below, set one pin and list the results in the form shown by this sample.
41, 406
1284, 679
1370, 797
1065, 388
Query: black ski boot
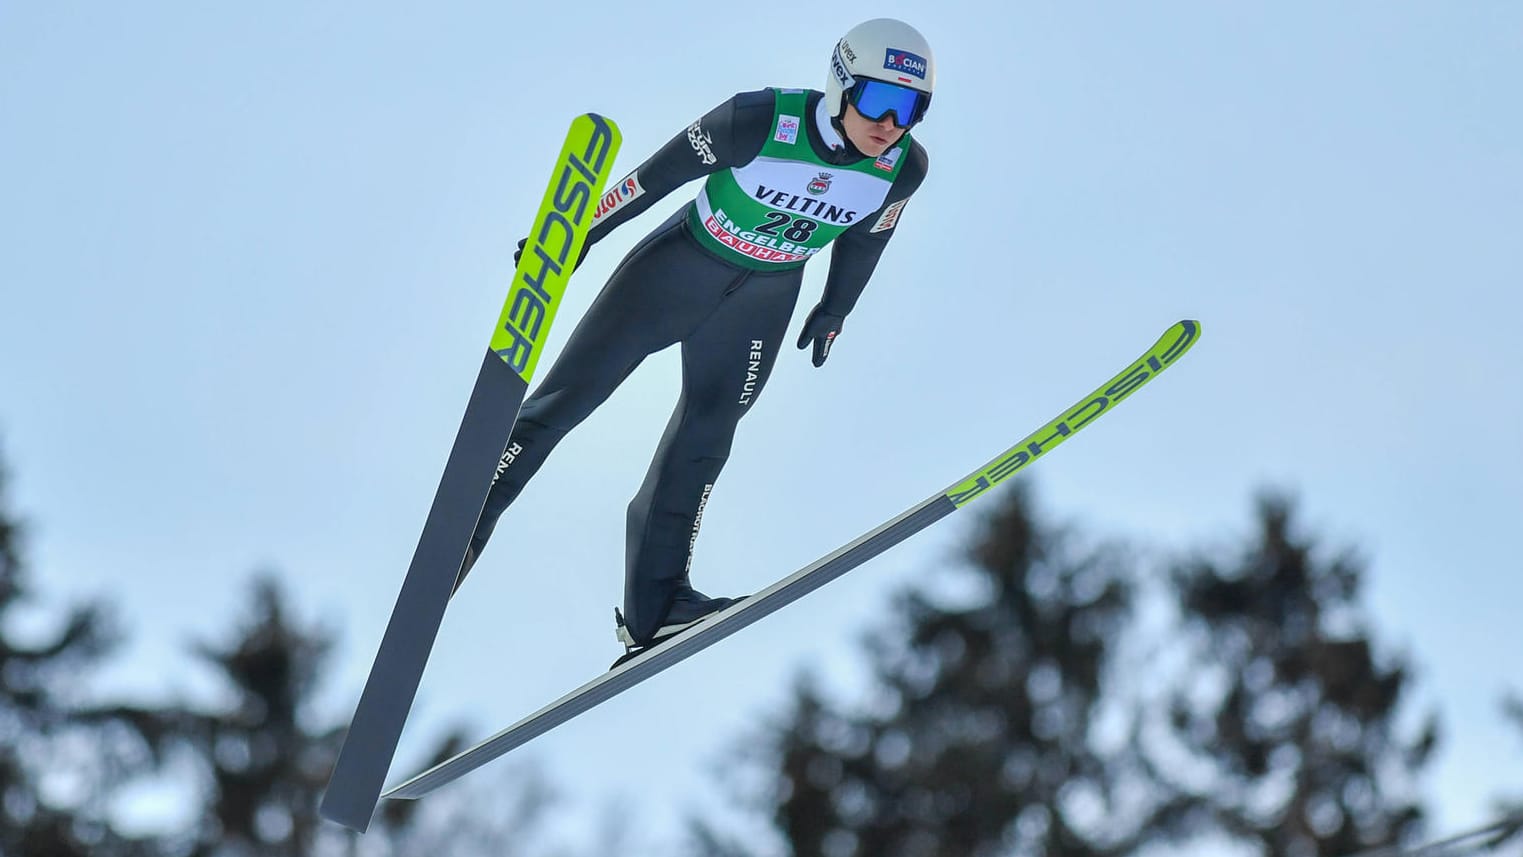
689, 607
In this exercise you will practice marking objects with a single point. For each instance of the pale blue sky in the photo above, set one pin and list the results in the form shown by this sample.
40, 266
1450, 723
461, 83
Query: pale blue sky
250, 255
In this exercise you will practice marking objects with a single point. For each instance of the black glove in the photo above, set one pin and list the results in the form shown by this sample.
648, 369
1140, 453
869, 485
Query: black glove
822, 327
524, 242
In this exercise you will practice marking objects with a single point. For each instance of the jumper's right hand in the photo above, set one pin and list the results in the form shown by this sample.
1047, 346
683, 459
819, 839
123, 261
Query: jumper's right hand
524, 242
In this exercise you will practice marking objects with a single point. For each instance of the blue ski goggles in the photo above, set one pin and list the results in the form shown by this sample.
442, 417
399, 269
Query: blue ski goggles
875, 99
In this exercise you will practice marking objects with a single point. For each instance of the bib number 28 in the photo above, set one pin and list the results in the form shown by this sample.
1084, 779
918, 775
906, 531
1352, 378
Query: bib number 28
795, 229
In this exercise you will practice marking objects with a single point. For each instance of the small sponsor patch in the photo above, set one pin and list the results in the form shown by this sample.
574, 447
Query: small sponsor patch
618, 196
820, 184
905, 62
889, 217
787, 129
887, 160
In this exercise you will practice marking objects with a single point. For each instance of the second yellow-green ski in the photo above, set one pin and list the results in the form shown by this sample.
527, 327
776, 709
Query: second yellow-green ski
1174, 343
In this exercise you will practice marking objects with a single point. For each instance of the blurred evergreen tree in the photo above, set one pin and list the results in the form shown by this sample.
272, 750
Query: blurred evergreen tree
1054, 709
258, 762
52, 735
982, 735
1512, 709
1283, 731
265, 762
263, 766
1510, 807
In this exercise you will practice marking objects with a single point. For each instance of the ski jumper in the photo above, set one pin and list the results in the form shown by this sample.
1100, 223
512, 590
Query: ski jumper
721, 277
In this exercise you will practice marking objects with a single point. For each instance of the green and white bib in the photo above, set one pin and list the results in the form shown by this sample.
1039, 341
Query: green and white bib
783, 207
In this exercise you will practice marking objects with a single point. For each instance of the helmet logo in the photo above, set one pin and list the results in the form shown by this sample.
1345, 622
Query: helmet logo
838, 68
846, 51
905, 62
820, 184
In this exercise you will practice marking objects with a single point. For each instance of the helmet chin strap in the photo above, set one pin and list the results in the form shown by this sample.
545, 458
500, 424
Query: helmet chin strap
851, 148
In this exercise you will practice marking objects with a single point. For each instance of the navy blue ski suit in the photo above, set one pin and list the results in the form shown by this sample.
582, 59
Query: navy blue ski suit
730, 321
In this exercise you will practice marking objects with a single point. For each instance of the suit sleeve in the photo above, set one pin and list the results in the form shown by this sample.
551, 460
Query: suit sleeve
730, 135
855, 252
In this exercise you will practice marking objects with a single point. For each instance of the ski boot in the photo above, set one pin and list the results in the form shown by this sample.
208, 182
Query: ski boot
689, 607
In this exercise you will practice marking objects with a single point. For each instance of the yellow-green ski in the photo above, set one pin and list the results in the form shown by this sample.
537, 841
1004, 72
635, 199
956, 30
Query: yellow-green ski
554, 245
1170, 347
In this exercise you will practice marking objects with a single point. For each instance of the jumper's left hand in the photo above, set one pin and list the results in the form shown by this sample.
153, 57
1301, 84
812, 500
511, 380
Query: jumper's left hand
822, 328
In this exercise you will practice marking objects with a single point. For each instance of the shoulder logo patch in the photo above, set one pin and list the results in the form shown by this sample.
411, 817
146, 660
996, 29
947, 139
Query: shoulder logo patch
787, 129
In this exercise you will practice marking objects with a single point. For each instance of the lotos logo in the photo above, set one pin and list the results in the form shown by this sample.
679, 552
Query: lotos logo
820, 184
617, 197
905, 62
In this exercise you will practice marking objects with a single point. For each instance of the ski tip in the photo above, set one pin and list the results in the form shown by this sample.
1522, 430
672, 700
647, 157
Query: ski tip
599, 121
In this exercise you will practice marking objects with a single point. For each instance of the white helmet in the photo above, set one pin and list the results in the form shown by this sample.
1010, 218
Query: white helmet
881, 49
